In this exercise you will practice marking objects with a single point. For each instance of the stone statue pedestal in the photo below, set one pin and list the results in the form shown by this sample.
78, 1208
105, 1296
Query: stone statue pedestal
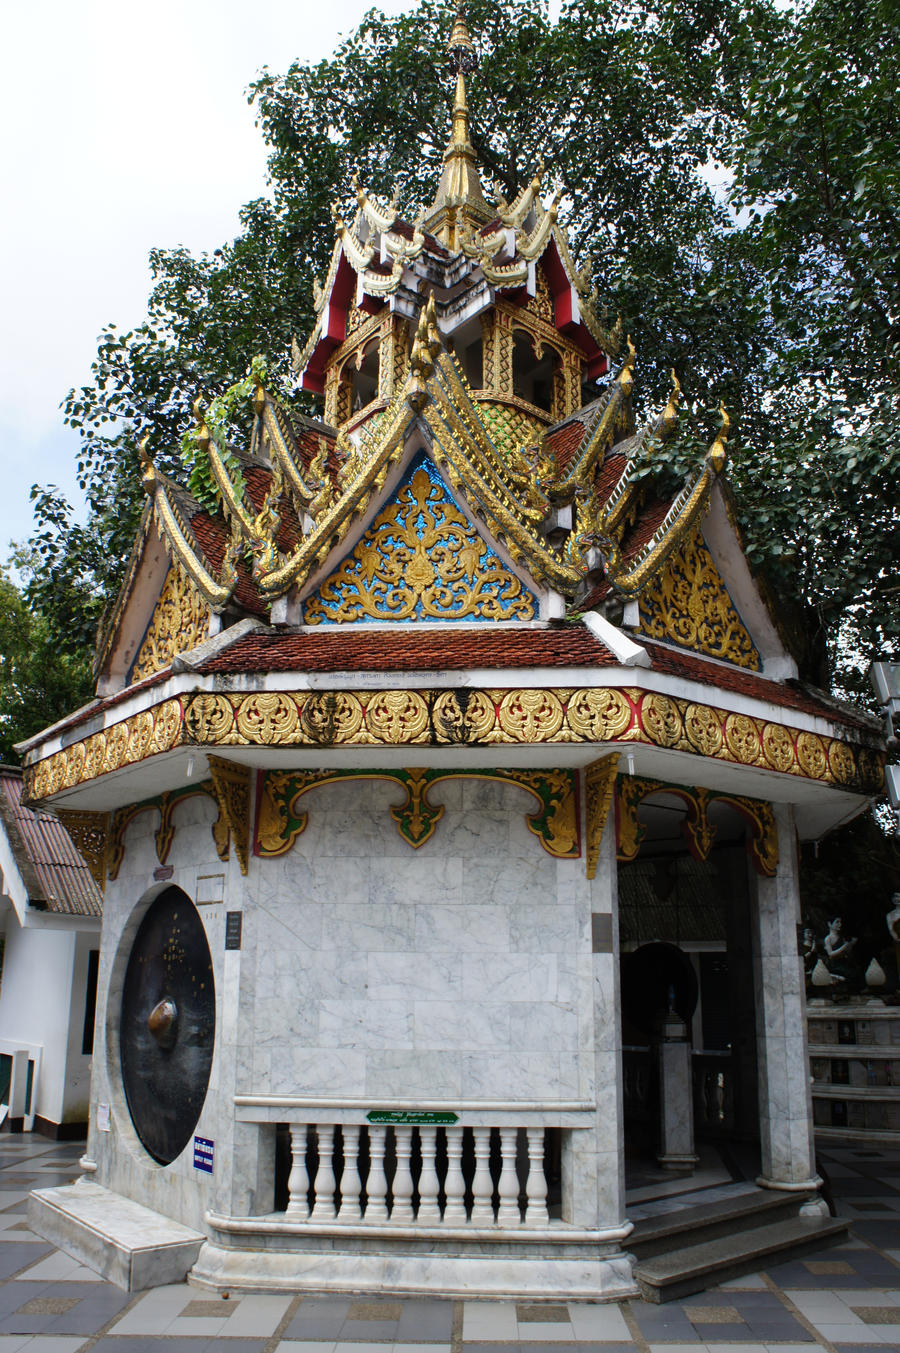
676, 1135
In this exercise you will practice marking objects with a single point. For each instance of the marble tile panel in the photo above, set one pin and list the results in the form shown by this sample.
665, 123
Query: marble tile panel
466, 928
330, 974
316, 1071
543, 1027
496, 796
545, 928
519, 1076
482, 837
433, 1075
368, 1024
326, 881
414, 977
509, 881
461, 1025
509, 977
369, 925
433, 877
285, 1019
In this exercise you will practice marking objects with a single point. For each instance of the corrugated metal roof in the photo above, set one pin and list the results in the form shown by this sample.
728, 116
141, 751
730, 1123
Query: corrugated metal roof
55, 874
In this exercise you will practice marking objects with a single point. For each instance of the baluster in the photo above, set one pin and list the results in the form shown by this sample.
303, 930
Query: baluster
402, 1187
298, 1179
508, 1213
323, 1209
536, 1213
454, 1184
376, 1184
429, 1212
350, 1182
482, 1183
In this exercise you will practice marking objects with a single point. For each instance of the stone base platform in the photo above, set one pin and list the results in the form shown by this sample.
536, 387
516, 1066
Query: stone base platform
123, 1241
490, 1263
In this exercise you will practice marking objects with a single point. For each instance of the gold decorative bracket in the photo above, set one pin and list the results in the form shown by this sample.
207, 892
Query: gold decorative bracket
164, 836
699, 832
599, 783
231, 786
555, 823
90, 837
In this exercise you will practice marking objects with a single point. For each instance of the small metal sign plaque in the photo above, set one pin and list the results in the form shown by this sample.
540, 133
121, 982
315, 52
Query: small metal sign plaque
204, 1151
411, 1117
233, 929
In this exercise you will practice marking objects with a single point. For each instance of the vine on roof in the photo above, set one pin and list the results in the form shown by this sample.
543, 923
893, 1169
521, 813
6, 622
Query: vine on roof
217, 420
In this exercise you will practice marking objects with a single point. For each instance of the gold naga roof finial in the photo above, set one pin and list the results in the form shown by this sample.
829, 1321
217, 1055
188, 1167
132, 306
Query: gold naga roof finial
718, 456
148, 469
669, 419
459, 191
202, 433
626, 375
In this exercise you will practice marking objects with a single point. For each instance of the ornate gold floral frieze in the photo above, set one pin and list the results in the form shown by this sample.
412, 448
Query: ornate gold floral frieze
688, 604
698, 831
164, 836
599, 783
180, 622
422, 559
555, 823
458, 717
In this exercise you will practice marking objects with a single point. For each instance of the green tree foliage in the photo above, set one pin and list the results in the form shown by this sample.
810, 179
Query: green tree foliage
782, 303
37, 683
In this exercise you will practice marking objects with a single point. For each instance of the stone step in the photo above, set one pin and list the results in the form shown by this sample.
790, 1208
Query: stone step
693, 1268
704, 1221
121, 1240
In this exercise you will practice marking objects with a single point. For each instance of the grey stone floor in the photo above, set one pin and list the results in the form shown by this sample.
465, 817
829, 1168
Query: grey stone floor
846, 1299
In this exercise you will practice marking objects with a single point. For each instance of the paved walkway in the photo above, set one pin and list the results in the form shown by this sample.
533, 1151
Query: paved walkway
846, 1300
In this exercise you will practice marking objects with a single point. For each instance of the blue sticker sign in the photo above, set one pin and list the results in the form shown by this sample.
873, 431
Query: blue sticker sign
203, 1154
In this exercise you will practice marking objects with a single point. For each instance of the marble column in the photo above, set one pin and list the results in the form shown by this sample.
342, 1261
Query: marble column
593, 1165
676, 1106
785, 1104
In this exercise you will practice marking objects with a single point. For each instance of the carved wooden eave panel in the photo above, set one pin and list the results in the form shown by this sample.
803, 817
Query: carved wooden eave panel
157, 614
421, 559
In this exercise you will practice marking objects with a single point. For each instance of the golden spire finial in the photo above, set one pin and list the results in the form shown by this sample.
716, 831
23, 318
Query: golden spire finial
459, 191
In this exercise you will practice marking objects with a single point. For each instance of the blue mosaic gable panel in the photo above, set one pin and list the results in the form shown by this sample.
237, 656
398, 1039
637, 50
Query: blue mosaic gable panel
421, 559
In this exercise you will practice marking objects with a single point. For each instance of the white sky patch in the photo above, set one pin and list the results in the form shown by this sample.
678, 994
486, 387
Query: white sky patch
123, 128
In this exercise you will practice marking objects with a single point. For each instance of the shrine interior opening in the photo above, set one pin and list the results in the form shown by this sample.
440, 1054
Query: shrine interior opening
685, 947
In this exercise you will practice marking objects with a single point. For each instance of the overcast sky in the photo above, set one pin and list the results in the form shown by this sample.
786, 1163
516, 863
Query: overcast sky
123, 127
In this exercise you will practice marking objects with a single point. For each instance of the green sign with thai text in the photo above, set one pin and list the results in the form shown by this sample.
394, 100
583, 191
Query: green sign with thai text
412, 1117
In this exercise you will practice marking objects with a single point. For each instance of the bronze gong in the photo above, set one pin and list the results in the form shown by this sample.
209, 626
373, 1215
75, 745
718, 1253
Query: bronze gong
168, 1025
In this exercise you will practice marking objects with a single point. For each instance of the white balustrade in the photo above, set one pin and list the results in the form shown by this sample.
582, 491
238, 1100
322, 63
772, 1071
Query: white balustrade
351, 1184
465, 1182
298, 1179
324, 1183
429, 1185
376, 1184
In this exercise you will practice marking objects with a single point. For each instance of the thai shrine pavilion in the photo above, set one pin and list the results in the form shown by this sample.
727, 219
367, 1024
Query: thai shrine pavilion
438, 720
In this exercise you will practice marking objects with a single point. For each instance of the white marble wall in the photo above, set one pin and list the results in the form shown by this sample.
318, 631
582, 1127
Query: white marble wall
177, 1190
785, 1107
462, 971
458, 971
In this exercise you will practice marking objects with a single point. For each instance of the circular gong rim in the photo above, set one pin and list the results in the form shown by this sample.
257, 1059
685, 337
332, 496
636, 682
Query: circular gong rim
166, 1028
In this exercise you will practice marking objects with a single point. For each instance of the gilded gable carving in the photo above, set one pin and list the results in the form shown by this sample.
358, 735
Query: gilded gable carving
687, 603
422, 559
179, 623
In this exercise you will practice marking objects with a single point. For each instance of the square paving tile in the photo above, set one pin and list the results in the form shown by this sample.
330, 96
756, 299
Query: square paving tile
878, 1315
